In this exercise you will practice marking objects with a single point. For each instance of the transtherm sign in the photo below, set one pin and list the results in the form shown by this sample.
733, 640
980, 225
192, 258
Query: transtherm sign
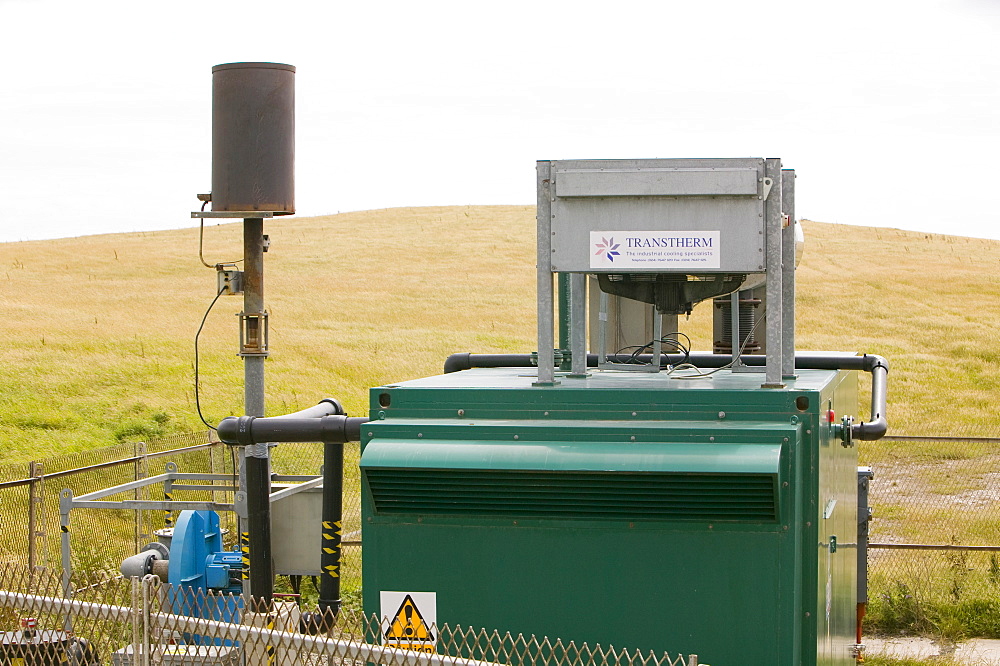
654, 250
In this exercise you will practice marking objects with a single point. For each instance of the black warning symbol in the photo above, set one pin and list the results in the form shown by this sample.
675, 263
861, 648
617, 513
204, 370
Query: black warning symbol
408, 629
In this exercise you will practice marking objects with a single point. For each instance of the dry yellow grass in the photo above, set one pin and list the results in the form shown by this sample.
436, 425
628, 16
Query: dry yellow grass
99, 329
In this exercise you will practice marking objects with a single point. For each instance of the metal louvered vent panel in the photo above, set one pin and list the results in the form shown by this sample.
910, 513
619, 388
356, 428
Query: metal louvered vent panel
601, 495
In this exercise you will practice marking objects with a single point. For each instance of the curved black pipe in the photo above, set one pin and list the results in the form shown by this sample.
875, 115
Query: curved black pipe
874, 364
326, 423
465, 361
878, 425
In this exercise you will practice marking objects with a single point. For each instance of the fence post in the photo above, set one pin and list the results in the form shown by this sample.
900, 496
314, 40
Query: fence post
138, 649
141, 534
34, 508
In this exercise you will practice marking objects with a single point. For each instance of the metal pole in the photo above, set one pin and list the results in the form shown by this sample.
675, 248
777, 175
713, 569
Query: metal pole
546, 353
775, 309
253, 301
256, 476
788, 274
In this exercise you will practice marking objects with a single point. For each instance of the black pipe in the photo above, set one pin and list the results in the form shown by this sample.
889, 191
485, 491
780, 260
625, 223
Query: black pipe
878, 424
327, 423
261, 574
333, 511
867, 362
248, 430
876, 365
465, 361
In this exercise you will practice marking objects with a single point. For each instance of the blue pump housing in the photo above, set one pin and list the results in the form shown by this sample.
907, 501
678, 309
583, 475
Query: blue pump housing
204, 578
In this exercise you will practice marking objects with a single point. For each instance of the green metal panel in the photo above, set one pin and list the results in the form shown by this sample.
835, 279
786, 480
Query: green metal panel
638, 511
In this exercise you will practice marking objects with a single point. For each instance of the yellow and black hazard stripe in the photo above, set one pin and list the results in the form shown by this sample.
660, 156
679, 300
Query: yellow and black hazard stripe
332, 533
245, 550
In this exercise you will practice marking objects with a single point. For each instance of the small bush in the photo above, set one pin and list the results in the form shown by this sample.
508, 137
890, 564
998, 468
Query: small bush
897, 611
133, 430
979, 617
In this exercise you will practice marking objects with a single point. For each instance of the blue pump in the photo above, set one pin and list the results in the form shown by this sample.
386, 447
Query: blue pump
205, 580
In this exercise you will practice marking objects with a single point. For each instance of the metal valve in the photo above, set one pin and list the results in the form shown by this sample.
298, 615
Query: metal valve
847, 432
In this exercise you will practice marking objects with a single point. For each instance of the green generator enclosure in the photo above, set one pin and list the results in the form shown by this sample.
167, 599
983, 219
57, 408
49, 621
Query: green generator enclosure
642, 511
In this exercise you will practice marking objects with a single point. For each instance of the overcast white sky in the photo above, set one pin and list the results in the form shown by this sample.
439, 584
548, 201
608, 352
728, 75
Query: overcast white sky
889, 111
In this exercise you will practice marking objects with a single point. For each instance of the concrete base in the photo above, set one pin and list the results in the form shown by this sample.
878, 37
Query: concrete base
984, 651
975, 651
910, 648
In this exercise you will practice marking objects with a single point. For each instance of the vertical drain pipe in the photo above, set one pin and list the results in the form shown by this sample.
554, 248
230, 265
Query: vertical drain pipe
333, 509
316, 424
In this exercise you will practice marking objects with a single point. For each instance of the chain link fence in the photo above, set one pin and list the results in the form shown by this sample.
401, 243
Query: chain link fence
30, 531
934, 554
935, 533
131, 622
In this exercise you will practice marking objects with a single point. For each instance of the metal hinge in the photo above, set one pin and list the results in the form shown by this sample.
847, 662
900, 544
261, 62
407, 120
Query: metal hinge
767, 187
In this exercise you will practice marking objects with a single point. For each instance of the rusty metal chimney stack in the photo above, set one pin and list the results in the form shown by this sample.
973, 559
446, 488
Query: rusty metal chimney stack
253, 137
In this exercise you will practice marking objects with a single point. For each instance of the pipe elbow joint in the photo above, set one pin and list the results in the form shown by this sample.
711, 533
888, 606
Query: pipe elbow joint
873, 361
456, 362
236, 430
871, 430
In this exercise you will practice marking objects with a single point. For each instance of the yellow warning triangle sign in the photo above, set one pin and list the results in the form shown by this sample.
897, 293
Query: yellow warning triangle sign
408, 624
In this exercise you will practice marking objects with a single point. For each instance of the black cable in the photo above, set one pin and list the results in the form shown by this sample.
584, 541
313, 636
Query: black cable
197, 402
671, 343
201, 244
701, 374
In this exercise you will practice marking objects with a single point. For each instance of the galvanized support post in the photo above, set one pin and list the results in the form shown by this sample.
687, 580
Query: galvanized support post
34, 507
168, 496
565, 317
546, 360
253, 302
773, 247
788, 274
578, 324
139, 453
65, 506
864, 518
138, 649
256, 479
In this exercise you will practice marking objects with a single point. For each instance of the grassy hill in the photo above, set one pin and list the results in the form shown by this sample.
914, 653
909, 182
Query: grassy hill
99, 330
